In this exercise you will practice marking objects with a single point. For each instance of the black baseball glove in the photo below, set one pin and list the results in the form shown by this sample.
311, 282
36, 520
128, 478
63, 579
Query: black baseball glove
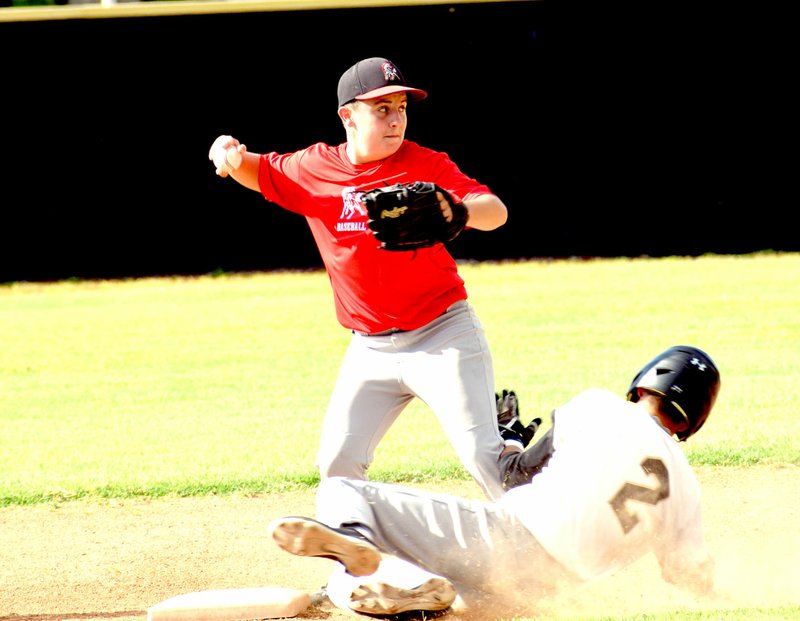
406, 216
508, 422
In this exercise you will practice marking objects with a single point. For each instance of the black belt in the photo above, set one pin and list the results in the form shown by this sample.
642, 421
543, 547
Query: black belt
383, 333
396, 330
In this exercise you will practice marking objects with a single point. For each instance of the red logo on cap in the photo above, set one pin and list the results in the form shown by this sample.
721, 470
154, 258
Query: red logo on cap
390, 72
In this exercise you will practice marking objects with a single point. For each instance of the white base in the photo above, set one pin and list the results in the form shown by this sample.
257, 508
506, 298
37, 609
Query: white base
231, 604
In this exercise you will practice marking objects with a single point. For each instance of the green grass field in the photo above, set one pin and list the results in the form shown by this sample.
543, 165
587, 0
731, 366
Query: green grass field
218, 384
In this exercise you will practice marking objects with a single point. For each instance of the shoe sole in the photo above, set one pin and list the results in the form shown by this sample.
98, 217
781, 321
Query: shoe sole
307, 537
379, 598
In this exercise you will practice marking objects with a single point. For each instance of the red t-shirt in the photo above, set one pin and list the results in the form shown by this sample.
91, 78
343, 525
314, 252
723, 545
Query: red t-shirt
374, 290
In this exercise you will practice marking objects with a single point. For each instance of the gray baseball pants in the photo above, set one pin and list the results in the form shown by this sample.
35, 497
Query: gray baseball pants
446, 364
479, 546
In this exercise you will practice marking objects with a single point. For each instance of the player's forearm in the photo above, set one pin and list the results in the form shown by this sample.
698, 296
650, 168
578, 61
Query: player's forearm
486, 212
247, 173
519, 467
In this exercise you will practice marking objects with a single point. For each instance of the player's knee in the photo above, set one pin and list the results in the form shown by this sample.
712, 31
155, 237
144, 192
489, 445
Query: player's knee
339, 465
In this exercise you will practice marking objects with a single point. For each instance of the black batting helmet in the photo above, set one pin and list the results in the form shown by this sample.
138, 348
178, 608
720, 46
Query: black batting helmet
687, 379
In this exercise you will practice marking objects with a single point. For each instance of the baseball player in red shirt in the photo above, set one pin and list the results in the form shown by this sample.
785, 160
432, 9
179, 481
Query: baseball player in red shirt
414, 334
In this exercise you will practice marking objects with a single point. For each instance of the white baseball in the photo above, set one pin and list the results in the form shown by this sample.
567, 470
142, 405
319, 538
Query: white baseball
233, 158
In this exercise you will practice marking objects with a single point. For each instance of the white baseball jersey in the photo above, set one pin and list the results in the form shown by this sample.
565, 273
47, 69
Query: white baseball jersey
617, 486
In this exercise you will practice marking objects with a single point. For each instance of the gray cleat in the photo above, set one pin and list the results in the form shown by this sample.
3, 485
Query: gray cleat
380, 598
306, 537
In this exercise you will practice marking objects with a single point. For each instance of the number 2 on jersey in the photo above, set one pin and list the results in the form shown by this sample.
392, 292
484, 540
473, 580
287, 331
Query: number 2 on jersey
639, 493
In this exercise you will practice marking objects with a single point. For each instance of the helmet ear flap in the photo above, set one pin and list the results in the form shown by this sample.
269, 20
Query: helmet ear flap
680, 419
687, 379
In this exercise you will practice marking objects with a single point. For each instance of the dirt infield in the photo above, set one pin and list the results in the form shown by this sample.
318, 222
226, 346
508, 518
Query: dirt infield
112, 560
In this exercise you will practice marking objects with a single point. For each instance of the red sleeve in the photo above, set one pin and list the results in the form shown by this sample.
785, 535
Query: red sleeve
276, 178
435, 166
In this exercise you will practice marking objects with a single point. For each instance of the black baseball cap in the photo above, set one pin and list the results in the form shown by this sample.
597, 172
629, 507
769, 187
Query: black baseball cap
374, 77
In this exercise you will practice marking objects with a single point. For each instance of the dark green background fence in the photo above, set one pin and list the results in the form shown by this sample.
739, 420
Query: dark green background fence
624, 129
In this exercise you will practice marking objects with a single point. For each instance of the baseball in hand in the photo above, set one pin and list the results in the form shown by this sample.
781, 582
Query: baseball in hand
233, 158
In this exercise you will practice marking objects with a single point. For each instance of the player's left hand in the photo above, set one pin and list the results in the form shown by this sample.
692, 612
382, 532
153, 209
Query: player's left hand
509, 423
407, 216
